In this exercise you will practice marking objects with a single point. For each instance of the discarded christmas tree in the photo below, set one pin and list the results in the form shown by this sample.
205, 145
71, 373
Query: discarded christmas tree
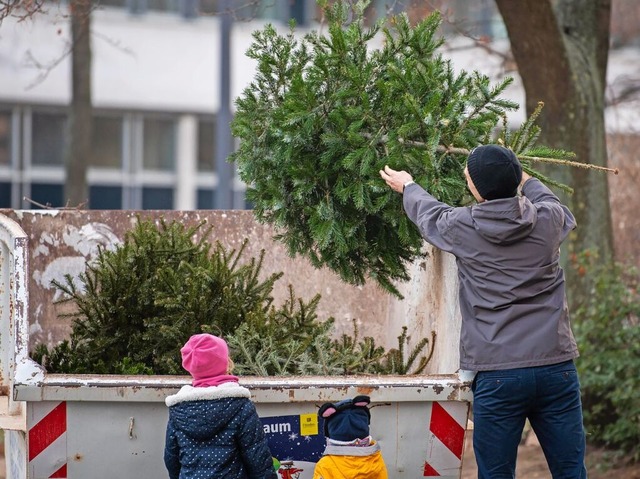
136, 305
325, 113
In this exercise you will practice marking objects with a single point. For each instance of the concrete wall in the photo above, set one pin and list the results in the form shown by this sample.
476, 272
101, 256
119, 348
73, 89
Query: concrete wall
61, 241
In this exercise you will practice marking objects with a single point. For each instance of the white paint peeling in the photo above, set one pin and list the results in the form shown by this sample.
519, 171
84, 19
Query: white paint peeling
29, 372
87, 239
48, 238
35, 328
37, 213
57, 269
41, 250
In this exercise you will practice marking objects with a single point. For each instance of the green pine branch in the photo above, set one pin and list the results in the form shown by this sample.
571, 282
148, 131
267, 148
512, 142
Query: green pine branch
324, 113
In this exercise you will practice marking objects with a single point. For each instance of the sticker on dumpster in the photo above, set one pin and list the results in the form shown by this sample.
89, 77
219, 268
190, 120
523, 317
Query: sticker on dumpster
47, 436
295, 444
308, 424
445, 439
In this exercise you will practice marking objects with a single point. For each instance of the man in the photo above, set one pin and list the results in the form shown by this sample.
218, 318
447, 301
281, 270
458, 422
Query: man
515, 331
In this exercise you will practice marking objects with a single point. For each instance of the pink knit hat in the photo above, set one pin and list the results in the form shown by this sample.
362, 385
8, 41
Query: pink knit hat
206, 357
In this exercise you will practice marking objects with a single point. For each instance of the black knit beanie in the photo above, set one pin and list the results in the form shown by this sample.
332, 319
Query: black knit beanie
495, 171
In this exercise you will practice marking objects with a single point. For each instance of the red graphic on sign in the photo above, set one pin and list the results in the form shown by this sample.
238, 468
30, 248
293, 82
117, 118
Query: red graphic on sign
289, 471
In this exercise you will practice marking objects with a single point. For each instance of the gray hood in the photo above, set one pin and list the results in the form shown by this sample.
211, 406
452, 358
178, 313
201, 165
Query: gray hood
504, 221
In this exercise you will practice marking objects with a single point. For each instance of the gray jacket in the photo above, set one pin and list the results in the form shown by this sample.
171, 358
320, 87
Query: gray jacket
512, 290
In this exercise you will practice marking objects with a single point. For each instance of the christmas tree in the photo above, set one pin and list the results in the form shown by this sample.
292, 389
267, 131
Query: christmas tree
326, 112
136, 305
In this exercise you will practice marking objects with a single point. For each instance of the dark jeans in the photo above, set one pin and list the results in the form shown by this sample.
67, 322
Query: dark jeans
549, 396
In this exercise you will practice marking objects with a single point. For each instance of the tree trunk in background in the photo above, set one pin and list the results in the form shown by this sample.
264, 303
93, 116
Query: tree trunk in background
80, 116
561, 48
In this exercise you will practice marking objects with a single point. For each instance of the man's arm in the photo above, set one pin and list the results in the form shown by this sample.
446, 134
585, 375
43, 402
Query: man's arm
427, 213
537, 192
533, 189
396, 179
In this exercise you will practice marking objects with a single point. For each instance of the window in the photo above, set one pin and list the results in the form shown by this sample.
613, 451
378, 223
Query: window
205, 200
134, 159
105, 197
302, 11
209, 7
111, 3
5, 195
5, 138
159, 144
139, 7
163, 5
106, 145
48, 138
157, 198
47, 194
298, 11
189, 8
243, 11
206, 145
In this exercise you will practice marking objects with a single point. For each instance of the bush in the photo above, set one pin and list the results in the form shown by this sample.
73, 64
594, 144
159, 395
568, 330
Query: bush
136, 306
607, 329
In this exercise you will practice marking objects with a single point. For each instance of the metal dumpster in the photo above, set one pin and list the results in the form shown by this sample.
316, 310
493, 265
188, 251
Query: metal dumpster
85, 426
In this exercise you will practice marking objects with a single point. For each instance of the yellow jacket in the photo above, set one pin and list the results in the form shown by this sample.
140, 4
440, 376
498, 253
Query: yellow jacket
351, 462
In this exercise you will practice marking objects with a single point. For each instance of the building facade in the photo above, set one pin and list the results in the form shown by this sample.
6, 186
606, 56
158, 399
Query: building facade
158, 74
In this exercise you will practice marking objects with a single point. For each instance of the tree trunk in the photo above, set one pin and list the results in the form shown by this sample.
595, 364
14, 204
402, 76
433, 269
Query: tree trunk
561, 48
81, 115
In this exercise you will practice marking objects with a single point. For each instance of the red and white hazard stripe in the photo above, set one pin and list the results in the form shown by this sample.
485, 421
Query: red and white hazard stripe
47, 426
446, 439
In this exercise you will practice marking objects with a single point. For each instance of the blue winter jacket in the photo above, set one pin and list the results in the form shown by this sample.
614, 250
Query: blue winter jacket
214, 433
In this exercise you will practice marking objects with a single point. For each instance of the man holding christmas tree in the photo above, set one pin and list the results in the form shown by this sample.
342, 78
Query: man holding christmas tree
516, 333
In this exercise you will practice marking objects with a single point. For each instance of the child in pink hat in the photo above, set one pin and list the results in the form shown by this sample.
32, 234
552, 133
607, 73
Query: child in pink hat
213, 429
206, 357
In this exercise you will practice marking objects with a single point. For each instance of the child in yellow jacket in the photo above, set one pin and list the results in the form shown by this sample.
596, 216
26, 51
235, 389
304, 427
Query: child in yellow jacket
350, 453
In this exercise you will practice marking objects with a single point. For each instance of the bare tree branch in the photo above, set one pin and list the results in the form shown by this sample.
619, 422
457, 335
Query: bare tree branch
20, 9
48, 206
44, 69
622, 90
